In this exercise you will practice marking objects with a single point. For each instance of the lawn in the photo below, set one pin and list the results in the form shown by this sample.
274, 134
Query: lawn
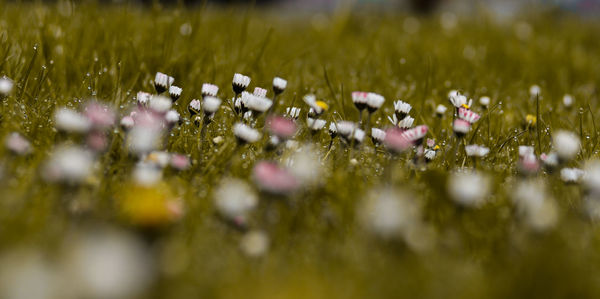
89, 208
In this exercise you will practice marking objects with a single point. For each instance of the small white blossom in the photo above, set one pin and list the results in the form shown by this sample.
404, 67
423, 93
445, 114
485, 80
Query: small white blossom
234, 198
69, 120
209, 90
469, 189
6, 86
534, 90
315, 124
568, 100
566, 144
571, 175
475, 150
484, 101
406, 123
211, 104
245, 133
279, 85
440, 110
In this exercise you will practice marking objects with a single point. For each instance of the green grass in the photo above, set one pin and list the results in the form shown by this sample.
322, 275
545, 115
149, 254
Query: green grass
61, 55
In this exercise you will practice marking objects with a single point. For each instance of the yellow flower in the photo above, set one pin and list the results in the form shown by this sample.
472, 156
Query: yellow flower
149, 205
530, 119
323, 105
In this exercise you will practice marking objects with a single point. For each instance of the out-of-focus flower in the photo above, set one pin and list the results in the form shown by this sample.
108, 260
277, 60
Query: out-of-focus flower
333, 132
315, 124
143, 139
160, 104
254, 243
143, 98
274, 179
234, 198
484, 101
172, 117
469, 189
149, 204
571, 175
475, 150
468, 115
260, 92
458, 100
568, 100
534, 90
69, 164
317, 107
210, 105
17, 144
281, 127
69, 120
6, 86
395, 140
279, 85
566, 145
292, 112
179, 162
162, 82
127, 122
147, 173
108, 264
416, 134
304, 164
550, 160
528, 164
440, 110
245, 134
591, 179
159, 158
96, 141
240, 83
461, 127
257, 104
25, 274
538, 210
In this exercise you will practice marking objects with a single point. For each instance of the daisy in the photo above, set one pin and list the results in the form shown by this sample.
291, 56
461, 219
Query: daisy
209, 90
468, 115
360, 99
406, 123
162, 82
179, 162
234, 198
240, 83
172, 117
430, 154
566, 144
526, 150
245, 134
175, 92
469, 189
316, 107
100, 116
440, 110
534, 90
401, 109
461, 127
333, 130
568, 100
69, 164
415, 135
194, 107
395, 141
389, 213
315, 124
279, 85
458, 100
143, 98
260, 92
281, 127
17, 144
273, 179
160, 104
571, 175
69, 120
377, 135
127, 123
484, 102
550, 160
475, 150
305, 165
534, 205
374, 101
293, 112
210, 105
345, 128
254, 243
258, 104
358, 135
528, 164
6, 86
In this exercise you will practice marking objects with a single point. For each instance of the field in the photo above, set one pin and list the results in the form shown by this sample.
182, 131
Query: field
85, 214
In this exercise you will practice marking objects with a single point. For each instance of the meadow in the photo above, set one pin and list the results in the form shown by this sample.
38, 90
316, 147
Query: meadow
89, 208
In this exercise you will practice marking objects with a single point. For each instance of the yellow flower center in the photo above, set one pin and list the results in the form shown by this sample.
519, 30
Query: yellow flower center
323, 105
530, 119
465, 106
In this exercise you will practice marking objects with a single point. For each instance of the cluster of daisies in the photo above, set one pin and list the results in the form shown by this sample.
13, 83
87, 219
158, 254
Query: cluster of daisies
255, 118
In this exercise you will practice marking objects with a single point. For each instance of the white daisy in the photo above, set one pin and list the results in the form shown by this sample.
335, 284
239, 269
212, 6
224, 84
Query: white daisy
374, 101
69, 164
240, 83
293, 112
234, 198
172, 117
254, 244
534, 90
210, 105
568, 100
17, 144
484, 101
440, 110
571, 175
360, 99
469, 189
162, 82
406, 123
468, 115
143, 98
194, 107
461, 127
257, 104
315, 124
6, 86
279, 85
377, 135
175, 92
69, 120
209, 90
566, 144
401, 109
245, 134
475, 150
160, 104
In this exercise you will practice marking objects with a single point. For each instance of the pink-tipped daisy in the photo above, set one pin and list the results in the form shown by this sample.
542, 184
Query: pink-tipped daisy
194, 107
360, 99
396, 141
273, 179
461, 127
162, 82
282, 127
468, 115
416, 135
260, 92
